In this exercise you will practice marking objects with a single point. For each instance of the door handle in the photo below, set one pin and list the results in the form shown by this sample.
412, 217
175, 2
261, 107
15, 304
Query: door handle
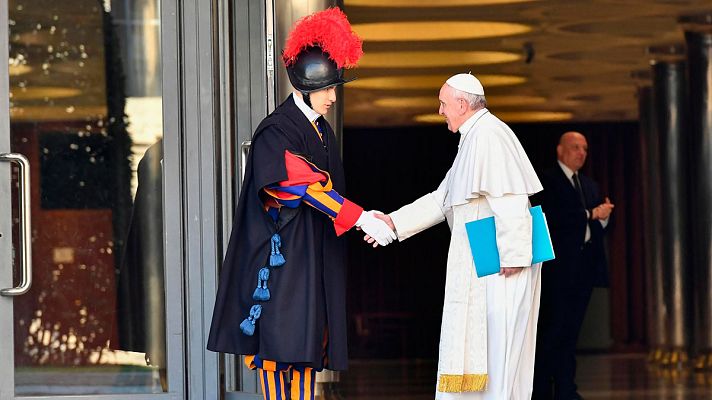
244, 152
25, 223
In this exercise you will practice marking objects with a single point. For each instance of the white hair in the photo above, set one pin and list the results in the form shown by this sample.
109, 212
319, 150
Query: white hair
475, 101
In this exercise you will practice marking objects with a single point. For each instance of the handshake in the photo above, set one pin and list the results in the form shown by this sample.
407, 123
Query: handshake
378, 227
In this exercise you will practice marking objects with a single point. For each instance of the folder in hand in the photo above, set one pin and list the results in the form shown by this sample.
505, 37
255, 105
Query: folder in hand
483, 242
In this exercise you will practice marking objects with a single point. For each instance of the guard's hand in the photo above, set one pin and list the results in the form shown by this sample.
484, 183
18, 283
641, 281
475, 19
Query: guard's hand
603, 210
509, 271
385, 218
376, 229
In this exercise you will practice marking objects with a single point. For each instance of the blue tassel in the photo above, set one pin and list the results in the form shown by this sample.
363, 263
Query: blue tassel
276, 259
248, 324
262, 292
247, 327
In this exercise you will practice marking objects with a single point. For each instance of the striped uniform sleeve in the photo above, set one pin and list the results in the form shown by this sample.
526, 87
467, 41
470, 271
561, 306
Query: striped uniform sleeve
308, 184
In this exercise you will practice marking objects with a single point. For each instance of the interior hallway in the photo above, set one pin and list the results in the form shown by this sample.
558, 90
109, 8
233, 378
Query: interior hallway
619, 376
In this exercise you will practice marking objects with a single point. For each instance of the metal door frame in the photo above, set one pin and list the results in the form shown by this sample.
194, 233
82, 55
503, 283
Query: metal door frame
7, 352
214, 78
174, 226
209, 111
247, 62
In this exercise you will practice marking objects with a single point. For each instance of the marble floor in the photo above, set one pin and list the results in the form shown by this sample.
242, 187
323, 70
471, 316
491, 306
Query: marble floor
599, 377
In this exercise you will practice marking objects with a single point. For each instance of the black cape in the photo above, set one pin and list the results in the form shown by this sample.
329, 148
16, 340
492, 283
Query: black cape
308, 293
141, 286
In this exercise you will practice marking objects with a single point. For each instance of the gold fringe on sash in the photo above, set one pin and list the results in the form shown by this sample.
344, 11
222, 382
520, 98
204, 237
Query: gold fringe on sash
462, 383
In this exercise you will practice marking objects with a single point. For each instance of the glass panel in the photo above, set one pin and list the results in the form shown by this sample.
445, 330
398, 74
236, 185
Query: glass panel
86, 110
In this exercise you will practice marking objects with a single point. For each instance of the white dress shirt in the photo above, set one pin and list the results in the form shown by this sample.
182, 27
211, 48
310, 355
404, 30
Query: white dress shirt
570, 174
308, 111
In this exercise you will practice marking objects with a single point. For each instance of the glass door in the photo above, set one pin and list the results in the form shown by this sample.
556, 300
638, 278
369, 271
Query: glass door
84, 305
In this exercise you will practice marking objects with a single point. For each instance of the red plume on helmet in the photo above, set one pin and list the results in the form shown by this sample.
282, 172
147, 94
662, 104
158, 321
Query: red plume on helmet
329, 30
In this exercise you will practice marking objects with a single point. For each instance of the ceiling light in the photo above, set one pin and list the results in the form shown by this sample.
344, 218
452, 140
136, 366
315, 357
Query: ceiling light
430, 118
514, 100
407, 102
429, 81
56, 113
413, 31
19, 69
36, 38
432, 101
425, 59
427, 3
41, 92
534, 116
507, 116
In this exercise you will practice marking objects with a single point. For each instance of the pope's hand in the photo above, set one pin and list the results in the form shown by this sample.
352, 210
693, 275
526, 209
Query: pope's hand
385, 218
509, 271
375, 228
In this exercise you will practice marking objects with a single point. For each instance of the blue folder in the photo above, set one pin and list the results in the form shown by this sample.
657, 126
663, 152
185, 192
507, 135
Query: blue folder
483, 242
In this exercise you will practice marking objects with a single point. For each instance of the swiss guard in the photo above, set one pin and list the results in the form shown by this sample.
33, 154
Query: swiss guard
281, 297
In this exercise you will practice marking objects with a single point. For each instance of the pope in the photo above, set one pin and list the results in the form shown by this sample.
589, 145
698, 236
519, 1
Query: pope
488, 332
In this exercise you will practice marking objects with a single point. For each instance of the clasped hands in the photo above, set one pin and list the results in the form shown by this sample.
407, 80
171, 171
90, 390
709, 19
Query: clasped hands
603, 210
377, 230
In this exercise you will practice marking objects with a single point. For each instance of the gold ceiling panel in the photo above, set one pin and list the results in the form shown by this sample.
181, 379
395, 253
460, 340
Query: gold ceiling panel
421, 82
432, 101
436, 30
426, 59
514, 100
57, 113
534, 116
429, 3
407, 102
19, 69
42, 92
508, 116
574, 58
430, 118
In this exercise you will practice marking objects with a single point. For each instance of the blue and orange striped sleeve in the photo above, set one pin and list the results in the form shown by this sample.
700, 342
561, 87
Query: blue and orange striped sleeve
307, 183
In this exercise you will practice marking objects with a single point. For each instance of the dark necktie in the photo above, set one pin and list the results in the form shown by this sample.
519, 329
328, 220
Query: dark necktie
320, 130
577, 186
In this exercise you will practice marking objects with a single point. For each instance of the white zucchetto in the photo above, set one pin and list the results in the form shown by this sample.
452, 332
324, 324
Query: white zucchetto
466, 83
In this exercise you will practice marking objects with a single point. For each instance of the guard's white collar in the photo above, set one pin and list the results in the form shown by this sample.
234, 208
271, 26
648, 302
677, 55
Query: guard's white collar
308, 111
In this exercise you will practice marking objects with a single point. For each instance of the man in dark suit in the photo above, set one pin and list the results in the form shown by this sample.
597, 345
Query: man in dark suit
577, 217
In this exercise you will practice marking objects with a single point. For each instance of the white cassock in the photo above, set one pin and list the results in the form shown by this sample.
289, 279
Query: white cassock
488, 332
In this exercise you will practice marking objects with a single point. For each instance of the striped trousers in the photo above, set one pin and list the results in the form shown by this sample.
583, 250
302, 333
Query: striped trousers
273, 379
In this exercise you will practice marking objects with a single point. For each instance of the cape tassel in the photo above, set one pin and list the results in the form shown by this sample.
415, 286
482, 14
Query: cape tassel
276, 259
248, 324
262, 291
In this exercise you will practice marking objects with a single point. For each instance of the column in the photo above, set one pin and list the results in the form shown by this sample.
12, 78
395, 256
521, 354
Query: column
698, 35
670, 105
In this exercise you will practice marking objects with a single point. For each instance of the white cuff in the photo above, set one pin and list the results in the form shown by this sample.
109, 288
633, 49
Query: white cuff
514, 241
604, 222
513, 225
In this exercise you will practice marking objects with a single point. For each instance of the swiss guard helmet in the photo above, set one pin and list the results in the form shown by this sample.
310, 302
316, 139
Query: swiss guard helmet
318, 49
